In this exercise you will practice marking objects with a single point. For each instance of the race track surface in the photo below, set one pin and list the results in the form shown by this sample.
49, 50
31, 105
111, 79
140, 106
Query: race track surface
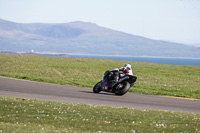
61, 93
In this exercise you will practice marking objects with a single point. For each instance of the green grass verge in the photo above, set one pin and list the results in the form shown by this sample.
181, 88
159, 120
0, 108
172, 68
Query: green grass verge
155, 79
26, 115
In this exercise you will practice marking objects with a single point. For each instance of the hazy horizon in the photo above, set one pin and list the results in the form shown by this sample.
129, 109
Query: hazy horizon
172, 20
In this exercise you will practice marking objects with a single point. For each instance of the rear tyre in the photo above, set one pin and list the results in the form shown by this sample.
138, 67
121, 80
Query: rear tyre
124, 89
97, 87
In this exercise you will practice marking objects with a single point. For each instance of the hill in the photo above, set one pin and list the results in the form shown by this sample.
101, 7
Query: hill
85, 38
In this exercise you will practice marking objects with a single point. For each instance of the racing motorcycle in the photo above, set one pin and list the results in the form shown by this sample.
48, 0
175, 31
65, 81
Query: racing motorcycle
121, 87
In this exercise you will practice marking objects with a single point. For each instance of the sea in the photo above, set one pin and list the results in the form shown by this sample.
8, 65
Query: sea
158, 60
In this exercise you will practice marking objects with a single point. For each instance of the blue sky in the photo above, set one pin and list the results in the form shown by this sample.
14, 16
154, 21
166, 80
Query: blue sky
170, 20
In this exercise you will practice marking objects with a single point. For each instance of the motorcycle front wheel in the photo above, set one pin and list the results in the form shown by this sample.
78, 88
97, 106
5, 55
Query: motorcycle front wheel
97, 87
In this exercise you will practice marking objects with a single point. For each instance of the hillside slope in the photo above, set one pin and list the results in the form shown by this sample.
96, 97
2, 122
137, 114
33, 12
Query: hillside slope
85, 38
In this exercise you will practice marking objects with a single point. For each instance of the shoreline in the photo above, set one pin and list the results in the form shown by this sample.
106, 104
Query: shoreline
130, 56
82, 54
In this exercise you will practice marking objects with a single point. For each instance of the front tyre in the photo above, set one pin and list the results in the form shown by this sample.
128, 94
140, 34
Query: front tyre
124, 89
97, 87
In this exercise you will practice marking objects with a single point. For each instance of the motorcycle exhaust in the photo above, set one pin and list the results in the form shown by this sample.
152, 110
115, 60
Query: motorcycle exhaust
120, 80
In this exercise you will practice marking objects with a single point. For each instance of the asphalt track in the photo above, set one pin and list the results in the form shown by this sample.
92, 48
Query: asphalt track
61, 93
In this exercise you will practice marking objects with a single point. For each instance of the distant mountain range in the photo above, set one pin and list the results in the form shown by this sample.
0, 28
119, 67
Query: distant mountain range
85, 38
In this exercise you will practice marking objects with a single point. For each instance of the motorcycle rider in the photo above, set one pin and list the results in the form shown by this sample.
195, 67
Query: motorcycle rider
116, 75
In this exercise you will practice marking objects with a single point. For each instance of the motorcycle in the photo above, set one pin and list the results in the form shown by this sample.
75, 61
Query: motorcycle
121, 87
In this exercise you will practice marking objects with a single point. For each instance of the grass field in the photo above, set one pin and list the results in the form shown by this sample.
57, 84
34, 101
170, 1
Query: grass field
155, 79
27, 116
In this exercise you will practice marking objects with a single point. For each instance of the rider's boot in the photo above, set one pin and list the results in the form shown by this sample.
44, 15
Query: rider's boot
112, 83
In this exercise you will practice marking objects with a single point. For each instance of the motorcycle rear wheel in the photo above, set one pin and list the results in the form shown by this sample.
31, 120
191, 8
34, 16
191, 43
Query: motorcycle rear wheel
124, 89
